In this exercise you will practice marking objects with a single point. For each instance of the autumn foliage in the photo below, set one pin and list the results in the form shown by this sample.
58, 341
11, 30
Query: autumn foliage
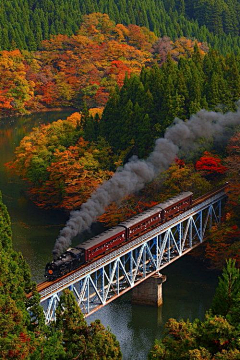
131, 206
224, 243
179, 177
61, 167
68, 70
225, 240
233, 163
182, 47
210, 164
15, 89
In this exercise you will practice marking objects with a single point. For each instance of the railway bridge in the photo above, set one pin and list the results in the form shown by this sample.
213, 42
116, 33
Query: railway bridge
97, 283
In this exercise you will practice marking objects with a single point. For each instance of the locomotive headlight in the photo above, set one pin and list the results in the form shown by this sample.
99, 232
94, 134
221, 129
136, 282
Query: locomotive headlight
50, 271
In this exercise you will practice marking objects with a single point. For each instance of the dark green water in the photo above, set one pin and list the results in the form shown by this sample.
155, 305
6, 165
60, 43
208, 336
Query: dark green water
34, 230
187, 293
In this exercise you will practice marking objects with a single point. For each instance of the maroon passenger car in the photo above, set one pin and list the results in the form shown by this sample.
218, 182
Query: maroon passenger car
155, 216
175, 205
103, 242
142, 222
126, 231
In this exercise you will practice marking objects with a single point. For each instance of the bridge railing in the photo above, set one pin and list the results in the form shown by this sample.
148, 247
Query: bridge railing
72, 278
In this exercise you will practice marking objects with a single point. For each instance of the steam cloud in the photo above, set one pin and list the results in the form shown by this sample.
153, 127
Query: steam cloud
181, 136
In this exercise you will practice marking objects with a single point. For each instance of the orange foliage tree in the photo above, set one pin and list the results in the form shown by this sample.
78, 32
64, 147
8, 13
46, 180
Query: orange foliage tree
223, 244
62, 168
72, 176
179, 177
15, 89
184, 47
129, 207
68, 70
225, 240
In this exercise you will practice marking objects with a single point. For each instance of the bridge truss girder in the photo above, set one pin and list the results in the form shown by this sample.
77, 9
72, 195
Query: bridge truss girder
158, 248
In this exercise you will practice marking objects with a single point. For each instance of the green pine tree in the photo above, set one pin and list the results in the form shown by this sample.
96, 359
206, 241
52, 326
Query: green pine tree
227, 296
80, 340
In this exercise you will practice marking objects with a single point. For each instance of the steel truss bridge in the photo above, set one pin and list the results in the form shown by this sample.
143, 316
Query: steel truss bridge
98, 283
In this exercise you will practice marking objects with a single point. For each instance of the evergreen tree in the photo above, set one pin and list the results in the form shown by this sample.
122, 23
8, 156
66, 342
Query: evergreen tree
226, 301
80, 340
25, 22
232, 75
216, 337
24, 334
5, 227
215, 17
176, 89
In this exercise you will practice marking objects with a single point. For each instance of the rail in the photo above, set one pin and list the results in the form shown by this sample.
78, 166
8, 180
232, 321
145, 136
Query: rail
68, 280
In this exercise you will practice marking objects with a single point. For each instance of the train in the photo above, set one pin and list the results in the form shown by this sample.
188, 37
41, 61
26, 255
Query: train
124, 232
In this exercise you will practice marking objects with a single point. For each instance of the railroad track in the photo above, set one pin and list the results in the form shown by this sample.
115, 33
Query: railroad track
44, 285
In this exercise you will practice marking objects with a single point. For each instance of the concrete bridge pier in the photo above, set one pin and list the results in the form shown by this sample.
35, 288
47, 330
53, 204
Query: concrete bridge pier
149, 292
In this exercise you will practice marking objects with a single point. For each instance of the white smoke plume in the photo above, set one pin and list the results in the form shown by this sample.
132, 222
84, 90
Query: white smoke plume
133, 176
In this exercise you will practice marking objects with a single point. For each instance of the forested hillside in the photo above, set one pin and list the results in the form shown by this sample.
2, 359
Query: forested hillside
145, 106
25, 23
151, 81
219, 16
128, 68
71, 70
64, 161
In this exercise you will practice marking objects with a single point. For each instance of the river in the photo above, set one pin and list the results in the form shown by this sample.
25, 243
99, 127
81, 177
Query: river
186, 294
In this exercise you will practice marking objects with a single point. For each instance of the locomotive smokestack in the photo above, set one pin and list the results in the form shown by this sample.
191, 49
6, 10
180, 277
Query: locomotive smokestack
133, 176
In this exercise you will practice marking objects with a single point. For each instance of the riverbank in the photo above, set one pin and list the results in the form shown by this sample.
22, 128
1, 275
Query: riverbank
187, 293
38, 111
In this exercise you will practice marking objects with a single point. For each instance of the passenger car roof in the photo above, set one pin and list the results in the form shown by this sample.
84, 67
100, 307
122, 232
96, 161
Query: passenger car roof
175, 199
140, 217
161, 206
100, 238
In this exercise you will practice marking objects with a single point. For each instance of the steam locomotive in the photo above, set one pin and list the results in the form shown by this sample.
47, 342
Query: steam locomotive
110, 239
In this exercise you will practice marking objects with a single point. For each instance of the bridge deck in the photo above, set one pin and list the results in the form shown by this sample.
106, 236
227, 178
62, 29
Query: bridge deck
47, 289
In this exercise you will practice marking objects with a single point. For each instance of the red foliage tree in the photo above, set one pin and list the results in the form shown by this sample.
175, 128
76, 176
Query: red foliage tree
129, 207
225, 240
180, 163
210, 164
